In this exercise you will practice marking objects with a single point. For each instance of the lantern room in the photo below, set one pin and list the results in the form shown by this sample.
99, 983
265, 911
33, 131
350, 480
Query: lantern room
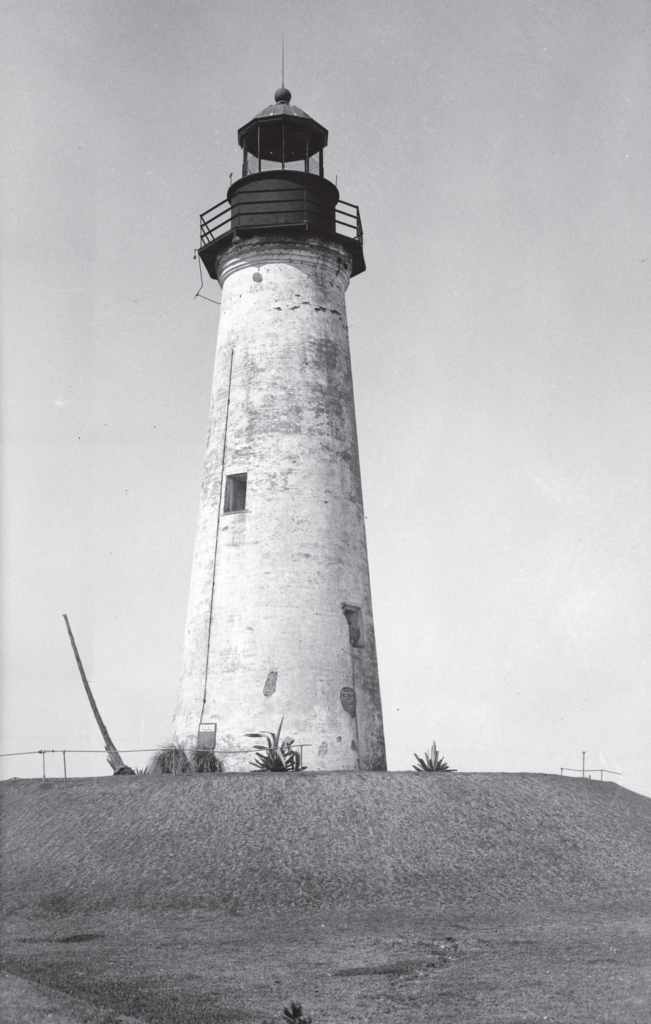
282, 187
282, 137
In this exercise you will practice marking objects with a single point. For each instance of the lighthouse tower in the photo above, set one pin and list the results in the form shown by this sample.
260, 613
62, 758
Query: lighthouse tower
280, 622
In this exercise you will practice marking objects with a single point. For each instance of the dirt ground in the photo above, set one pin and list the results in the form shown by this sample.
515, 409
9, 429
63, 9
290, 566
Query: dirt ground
345, 965
27, 1002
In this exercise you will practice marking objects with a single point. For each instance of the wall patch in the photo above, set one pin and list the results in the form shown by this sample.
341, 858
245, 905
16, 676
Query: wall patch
270, 684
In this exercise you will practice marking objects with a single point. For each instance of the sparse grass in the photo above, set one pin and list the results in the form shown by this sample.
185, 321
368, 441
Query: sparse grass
457, 899
344, 966
238, 840
27, 1002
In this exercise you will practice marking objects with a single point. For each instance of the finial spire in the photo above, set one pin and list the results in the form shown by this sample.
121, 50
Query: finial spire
283, 95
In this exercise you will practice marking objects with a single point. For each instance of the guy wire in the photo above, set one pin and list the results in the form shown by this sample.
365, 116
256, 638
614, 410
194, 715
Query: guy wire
214, 564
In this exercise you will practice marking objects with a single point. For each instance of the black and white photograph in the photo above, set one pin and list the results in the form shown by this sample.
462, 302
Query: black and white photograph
325, 469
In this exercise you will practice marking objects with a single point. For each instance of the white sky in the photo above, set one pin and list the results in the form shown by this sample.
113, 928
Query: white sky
499, 152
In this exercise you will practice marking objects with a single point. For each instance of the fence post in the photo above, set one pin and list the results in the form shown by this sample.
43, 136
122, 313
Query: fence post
42, 753
583, 767
65, 771
561, 771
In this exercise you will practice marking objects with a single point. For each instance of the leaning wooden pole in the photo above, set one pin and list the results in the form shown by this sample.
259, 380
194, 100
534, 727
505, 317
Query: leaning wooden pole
114, 759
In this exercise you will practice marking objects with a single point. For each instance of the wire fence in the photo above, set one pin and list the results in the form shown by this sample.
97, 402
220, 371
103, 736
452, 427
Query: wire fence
583, 772
48, 773
48, 768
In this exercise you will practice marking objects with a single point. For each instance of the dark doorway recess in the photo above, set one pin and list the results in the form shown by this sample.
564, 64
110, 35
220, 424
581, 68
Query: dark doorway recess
355, 622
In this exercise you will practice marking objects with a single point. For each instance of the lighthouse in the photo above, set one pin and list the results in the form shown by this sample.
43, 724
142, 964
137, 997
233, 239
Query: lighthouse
280, 620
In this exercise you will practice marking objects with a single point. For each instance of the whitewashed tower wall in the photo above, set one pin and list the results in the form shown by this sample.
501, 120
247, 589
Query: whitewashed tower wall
280, 620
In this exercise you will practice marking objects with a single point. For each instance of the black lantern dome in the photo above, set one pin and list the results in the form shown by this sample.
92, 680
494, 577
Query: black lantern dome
282, 187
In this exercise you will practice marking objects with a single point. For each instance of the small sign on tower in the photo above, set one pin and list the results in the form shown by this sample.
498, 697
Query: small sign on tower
207, 736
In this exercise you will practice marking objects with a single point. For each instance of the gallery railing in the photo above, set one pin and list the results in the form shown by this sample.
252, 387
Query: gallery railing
269, 208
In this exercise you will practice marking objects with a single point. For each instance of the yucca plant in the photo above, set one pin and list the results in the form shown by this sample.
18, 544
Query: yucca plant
296, 1015
169, 759
174, 759
203, 760
275, 756
432, 762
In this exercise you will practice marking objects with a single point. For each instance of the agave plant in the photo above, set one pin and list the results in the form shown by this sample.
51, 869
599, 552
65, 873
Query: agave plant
432, 762
296, 1015
273, 755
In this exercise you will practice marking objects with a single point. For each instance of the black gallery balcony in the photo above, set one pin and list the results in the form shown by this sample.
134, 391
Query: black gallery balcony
285, 200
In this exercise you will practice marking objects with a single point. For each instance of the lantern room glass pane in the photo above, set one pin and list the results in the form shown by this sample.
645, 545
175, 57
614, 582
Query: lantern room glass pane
277, 145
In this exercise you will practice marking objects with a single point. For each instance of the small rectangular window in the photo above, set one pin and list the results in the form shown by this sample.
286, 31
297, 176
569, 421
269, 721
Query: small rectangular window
235, 499
355, 625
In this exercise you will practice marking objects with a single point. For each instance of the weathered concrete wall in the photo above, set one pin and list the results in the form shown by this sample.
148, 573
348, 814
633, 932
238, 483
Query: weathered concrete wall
266, 633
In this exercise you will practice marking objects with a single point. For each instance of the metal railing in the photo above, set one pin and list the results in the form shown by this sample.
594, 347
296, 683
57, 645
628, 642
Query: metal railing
584, 771
147, 750
301, 207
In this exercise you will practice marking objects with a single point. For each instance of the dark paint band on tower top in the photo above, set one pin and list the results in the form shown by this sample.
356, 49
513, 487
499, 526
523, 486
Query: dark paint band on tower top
282, 186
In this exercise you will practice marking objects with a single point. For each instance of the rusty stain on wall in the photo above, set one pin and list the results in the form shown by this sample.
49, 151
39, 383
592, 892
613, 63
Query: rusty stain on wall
348, 700
270, 684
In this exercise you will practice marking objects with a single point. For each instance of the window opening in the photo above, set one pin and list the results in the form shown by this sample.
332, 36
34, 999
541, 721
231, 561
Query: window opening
235, 500
355, 625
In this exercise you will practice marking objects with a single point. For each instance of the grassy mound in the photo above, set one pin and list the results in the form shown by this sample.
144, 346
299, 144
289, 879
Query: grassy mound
245, 841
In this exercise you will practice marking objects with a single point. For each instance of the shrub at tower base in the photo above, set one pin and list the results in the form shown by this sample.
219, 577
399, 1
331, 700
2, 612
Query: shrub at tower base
293, 839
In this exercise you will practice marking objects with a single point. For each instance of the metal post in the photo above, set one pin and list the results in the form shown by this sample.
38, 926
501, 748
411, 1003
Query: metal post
583, 766
300, 759
42, 752
65, 770
561, 771
602, 775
